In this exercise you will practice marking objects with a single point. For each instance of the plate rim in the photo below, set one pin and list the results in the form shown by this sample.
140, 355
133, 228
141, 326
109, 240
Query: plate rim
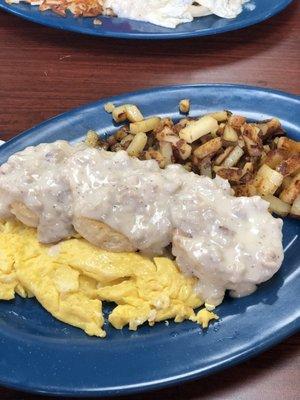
236, 25
285, 331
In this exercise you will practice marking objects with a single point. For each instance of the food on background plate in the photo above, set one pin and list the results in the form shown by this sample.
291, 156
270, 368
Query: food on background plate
167, 13
122, 204
255, 157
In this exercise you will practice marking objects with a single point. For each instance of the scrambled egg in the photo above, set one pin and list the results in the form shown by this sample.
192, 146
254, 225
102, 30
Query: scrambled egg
73, 278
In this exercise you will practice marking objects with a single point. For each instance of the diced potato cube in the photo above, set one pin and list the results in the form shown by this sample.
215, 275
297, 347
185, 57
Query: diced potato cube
137, 144
295, 210
230, 134
275, 157
126, 111
205, 168
233, 157
125, 142
184, 106
232, 174
155, 155
290, 193
144, 126
252, 140
288, 144
119, 114
221, 157
267, 181
166, 151
92, 138
236, 121
290, 165
247, 190
109, 107
167, 135
208, 148
133, 113
277, 206
184, 149
248, 167
220, 116
196, 129
287, 180
273, 126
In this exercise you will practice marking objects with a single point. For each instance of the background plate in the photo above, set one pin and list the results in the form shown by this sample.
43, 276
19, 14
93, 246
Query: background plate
124, 28
41, 354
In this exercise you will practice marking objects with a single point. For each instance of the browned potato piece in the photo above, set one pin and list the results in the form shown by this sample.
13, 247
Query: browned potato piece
233, 174
182, 149
289, 166
221, 157
288, 144
287, 180
92, 139
233, 157
188, 166
273, 126
205, 167
184, 106
163, 123
145, 125
295, 210
267, 181
275, 157
102, 235
245, 190
290, 193
252, 140
196, 129
137, 144
263, 128
236, 121
121, 133
230, 134
167, 135
133, 113
119, 114
208, 148
277, 206
248, 167
254, 150
109, 107
152, 154
125, 142
221, 116
166, 151
266, 148
180, 125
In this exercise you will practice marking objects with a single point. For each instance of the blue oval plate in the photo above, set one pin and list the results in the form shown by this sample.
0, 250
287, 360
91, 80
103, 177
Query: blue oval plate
41, 354
127, 29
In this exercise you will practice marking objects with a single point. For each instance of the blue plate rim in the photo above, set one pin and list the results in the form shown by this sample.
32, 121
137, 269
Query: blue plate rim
236, 25
285, 331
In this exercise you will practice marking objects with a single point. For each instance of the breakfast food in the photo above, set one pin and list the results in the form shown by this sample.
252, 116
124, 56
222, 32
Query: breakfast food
255, 157
121, 203
72, 279
167, 13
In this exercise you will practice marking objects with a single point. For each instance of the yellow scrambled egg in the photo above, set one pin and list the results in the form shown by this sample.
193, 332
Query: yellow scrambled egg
73, 278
